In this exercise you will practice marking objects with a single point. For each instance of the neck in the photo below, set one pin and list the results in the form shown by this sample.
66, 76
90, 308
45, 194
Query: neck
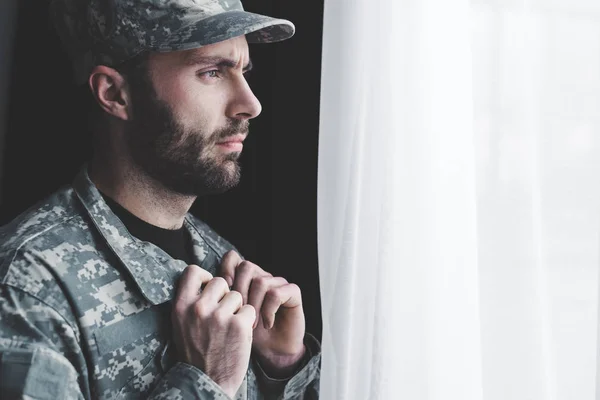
120, 179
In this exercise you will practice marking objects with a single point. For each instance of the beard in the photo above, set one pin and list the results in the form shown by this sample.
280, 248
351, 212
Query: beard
183, 160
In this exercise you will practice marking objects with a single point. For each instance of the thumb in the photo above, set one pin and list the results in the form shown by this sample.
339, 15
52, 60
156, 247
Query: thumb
230, 261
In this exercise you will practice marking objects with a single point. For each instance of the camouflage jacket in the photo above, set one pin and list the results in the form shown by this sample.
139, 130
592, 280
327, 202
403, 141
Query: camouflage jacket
85, 309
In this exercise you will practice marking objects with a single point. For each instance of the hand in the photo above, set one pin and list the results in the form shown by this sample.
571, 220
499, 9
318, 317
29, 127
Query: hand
212, 330
279, 328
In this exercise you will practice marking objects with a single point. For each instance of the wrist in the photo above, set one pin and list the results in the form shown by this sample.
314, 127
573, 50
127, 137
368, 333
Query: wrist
280, 366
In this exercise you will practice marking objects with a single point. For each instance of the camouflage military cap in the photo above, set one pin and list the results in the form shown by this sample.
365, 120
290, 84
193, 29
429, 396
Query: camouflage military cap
109, 32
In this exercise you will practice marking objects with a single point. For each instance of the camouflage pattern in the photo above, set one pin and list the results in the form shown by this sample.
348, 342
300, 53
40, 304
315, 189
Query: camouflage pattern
108, 32
85, 309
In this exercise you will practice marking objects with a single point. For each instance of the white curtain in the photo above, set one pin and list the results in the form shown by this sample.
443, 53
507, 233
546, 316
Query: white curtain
459, 199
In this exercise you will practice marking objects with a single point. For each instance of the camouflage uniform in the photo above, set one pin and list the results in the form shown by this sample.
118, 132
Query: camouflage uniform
85, 309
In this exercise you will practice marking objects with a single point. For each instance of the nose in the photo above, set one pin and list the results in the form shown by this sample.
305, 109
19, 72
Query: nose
243, 105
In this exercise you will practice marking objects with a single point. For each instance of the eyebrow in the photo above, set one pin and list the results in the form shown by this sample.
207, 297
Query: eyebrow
194, 59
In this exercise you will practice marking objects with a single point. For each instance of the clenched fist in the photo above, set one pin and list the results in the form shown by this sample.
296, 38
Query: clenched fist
212, 329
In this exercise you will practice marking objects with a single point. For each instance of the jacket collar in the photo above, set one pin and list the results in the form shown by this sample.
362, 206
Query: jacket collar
153, 270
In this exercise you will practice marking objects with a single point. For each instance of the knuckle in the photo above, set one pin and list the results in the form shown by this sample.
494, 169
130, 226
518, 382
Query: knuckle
262, 282
246, 266
272, 294
220, 282
227, 253
200, 310
191, 268
294, 287
229, 258
220, 318
237, 295
194, 272
252, 269
180, 308
230, 253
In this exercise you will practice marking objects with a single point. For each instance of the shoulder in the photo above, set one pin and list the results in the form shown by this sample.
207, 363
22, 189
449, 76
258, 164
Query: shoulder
42, 243
45, 214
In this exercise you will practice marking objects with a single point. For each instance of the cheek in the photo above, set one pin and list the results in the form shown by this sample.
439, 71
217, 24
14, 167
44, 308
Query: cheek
197, 107
202, 105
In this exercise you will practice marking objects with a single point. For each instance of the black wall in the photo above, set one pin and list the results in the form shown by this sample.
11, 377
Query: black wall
270, 216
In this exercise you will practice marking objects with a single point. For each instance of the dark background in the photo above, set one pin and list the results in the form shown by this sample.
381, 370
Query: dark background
270, 217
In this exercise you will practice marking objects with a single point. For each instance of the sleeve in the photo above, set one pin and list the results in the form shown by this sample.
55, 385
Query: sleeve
303, 385
39, 354
40, 357
184, 381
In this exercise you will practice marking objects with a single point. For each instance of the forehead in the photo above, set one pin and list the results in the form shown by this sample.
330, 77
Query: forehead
235, 49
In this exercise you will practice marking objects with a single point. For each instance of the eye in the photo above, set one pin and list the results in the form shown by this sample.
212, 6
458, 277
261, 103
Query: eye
214, 73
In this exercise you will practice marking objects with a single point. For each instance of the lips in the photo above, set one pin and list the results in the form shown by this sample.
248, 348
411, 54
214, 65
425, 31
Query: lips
232, 143
234, 146
239, 139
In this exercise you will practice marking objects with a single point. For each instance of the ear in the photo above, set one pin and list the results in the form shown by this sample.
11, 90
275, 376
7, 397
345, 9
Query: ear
111, 91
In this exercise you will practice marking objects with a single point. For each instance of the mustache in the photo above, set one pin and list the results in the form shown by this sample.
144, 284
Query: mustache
235, 127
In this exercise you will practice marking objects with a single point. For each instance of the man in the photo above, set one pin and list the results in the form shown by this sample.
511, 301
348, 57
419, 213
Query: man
110, 288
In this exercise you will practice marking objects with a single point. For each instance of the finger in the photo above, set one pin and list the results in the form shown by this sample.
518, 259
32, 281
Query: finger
230, 303
190, 282
248, 314
245, 272
230, 261
287, 296
259, 288
214, 291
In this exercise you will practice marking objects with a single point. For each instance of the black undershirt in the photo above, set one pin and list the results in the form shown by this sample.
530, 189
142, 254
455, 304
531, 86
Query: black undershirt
175, 242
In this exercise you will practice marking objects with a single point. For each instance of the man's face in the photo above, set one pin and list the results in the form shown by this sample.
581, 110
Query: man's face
190, 116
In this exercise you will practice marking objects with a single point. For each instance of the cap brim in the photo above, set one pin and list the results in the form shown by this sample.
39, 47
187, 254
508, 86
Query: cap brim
218, 28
